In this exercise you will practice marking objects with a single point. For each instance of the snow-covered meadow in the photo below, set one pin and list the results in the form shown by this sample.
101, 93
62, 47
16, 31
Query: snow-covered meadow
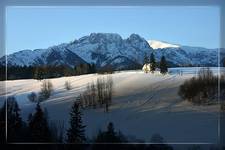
143, 104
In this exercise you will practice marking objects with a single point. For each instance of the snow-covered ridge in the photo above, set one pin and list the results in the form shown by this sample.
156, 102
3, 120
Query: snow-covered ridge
111, 49
159, 44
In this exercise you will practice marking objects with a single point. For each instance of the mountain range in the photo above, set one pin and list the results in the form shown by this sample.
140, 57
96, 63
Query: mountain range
105, 49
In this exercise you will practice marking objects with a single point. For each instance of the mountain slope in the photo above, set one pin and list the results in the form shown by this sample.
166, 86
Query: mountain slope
102, 48
56, 55
185, 55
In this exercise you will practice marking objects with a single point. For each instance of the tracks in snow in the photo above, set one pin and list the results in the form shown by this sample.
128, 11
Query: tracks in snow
155, 90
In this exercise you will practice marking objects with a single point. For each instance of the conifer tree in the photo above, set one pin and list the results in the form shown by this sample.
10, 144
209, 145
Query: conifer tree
110, 135
76, 132
163, 65
38, 126
146, 61
14, 120
152, 63
93, 68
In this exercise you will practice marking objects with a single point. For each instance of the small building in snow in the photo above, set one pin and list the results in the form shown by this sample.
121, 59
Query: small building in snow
146, 68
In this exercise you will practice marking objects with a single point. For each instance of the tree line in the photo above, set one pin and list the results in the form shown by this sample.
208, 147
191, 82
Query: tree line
203, 89
44, 72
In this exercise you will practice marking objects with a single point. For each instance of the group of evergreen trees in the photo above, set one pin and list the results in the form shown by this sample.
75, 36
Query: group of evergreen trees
85, 69
44, 72
162, 65
37, 129
16, 72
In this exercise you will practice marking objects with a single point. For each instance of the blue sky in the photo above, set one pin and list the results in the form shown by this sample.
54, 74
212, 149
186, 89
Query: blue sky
41, 27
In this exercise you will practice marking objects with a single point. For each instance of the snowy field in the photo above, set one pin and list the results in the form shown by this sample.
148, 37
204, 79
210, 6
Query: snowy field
143, 104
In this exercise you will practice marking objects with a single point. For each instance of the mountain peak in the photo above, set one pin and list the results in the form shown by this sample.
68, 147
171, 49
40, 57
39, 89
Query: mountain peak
135, 36
160, 44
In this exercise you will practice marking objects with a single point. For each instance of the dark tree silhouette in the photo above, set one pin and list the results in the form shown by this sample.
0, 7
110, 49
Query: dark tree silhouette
110, 136
76, 132
146, 60
38, 126
152, 63
163, 65
40, 73
14, 121
202, 89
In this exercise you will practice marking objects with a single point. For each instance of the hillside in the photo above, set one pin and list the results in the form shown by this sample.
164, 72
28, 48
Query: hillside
143, 104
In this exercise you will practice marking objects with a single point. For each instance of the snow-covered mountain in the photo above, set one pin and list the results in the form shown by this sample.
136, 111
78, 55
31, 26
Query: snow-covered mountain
111, 49
56, 55
159, 44
185, 55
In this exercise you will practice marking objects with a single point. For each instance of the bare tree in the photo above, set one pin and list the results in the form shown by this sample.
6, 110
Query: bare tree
93, 94
68, 85
100, 94
108, 89
201, 89
46, 90
88, 92
100, 91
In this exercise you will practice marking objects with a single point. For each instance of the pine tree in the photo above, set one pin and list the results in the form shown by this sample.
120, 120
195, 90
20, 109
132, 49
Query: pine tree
146, 61
38, 126
76, 132
109, 136
14, 120
110, 133
152, 63
93, 68
163, 65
